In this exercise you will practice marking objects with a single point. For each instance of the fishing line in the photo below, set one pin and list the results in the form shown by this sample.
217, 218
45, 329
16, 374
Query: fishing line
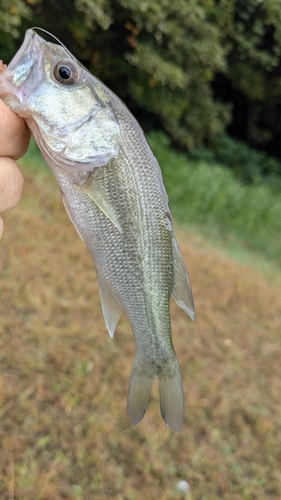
86, 73
57, 39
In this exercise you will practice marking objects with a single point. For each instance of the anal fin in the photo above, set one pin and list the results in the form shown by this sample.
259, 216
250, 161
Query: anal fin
182, 290
111, 310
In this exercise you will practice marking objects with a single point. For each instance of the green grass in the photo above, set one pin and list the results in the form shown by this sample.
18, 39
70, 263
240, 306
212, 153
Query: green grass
212, 197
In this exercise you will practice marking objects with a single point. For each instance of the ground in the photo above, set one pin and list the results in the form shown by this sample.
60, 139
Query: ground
64, 430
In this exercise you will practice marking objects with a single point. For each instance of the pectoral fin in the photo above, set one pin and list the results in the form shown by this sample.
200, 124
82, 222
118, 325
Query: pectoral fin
111, 310
98, 195
182, 290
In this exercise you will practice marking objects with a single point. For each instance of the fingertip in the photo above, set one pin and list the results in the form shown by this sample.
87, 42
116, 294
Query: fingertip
11, 184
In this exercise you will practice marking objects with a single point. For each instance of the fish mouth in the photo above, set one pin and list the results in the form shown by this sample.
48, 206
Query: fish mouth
10, 95
13, 73
27, 53
13, 90
7, 92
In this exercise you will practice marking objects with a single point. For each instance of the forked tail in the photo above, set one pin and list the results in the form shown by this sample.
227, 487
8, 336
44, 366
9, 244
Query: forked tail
170, 391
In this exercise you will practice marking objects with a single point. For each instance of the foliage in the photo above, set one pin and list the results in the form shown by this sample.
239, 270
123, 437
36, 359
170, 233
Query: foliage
253, 36
11, 14
174, 69
248, 164
251, 32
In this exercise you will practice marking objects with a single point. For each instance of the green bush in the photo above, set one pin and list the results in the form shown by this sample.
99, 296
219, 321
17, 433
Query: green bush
247, 163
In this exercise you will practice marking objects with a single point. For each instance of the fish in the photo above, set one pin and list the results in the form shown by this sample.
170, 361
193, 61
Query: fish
113, 191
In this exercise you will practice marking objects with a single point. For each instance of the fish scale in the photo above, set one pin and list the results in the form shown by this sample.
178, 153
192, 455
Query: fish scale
113, 191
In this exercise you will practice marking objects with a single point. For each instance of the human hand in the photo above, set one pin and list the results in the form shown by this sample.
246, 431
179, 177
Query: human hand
14, 140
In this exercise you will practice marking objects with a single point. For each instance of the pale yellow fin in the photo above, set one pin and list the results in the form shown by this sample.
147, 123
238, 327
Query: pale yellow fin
182, 290
98, 195
111, 310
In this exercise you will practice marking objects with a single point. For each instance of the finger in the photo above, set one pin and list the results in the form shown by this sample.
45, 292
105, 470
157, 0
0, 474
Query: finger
14, 133
1, 228
11, 184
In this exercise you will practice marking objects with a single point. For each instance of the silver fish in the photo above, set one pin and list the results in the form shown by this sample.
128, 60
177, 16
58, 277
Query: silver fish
113, 191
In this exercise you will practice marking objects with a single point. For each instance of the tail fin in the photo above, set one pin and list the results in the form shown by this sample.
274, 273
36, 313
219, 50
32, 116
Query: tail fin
170, 390
139, 391
171, 397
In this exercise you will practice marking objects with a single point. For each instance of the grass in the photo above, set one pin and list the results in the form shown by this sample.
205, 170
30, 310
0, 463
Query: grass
223, 207
64, 432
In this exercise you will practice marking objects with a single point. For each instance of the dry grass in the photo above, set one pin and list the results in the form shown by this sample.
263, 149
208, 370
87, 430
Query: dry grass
64, 431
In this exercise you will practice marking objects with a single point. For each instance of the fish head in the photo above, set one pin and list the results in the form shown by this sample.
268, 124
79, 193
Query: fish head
66, 108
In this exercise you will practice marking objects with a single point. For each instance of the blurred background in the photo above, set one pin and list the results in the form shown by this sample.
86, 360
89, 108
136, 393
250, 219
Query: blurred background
203, 78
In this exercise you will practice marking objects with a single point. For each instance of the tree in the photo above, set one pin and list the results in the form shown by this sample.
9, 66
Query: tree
159, 57
11, 14
251, 34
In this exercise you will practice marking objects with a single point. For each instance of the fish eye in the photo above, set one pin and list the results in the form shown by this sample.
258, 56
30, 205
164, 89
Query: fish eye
66, 72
